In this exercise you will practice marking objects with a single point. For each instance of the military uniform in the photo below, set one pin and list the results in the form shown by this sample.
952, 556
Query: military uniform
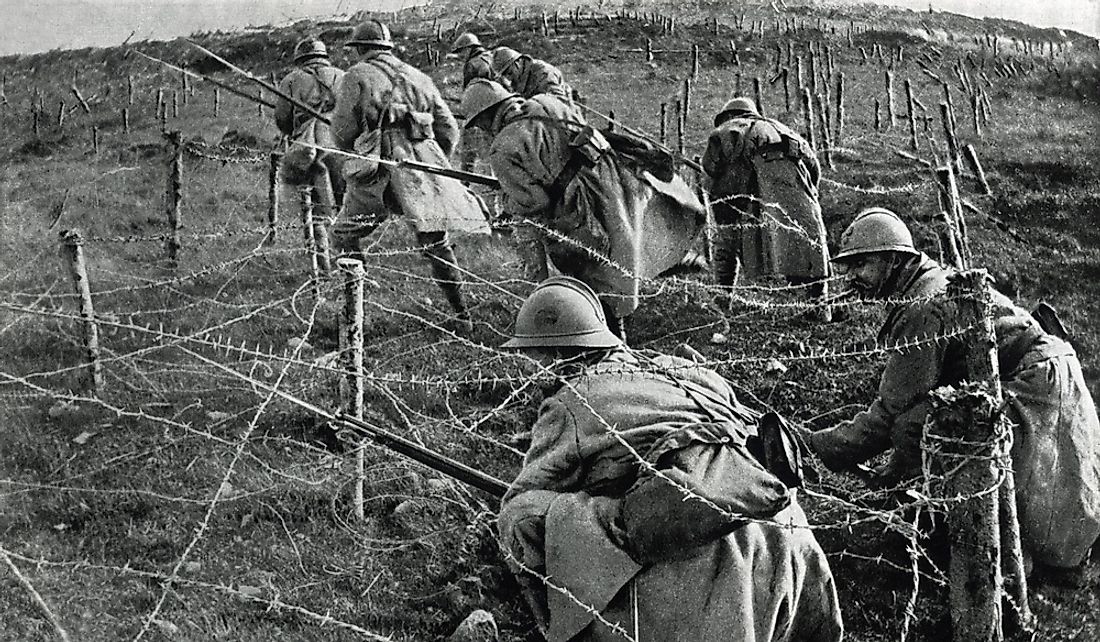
611, 225
314, 83
768, 580
538, 77
764, 180
388, 108
1056, 446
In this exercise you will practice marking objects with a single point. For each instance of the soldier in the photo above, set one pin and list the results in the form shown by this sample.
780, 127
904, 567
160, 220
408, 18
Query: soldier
387, 108
313, 82
607, 220
629, 548
1056, 445
477, 61
528, 76
764, 192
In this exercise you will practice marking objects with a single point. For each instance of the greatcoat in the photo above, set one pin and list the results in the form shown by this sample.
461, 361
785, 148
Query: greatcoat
766, 581
1056, 441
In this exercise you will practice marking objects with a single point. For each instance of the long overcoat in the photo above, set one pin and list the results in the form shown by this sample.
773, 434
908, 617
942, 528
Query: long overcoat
764, 180
767, 581
1056, 441
613, 225
389, 108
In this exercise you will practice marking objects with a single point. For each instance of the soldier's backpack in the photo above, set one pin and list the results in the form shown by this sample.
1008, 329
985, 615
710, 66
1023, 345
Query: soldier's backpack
300, 155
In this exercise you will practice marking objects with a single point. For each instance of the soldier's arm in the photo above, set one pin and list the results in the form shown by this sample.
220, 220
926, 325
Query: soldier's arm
553, 461
347, 115
284, 111
910, 374
712, 158
517, 163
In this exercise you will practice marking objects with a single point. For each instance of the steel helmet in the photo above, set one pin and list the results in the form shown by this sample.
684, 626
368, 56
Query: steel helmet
466, 40
734, 106
480, 96
503, 58
875, 230
308, 49
371, 33
562, 312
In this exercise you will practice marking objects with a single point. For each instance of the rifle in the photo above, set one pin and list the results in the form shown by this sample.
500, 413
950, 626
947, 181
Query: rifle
458, 174
420, 454
290, 99
231, 89
640, 134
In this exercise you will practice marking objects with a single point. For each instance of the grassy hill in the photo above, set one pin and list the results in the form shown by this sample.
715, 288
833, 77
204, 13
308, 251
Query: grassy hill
182, 503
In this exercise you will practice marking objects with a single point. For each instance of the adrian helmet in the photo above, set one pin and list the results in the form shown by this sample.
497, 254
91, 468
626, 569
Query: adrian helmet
562, 312
734, 106
371, 34
308, 49
466, 40
480, 96
875, 230
503, 58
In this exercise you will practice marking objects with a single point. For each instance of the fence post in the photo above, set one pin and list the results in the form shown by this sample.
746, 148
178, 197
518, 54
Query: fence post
808, 115
305, 194
975, 112
648, 50
966, 428
889, 100
72, 249
174, 194
664, 123
95, 140
129, 90
217, 102
351, 352
839, 106
951, 203
275, 164
679, 109
949, 135
971, 157
694, 61
787, 88
826, 135
912, 117
758, 94
687, 99
34, 120
60, 114
125, 120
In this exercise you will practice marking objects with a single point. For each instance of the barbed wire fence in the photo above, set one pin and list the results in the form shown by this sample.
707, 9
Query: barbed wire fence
421, 375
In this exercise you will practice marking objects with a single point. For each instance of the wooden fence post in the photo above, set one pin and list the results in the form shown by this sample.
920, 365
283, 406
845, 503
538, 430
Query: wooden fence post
175, 104
949, 135
912, 117
808, 116
174, 195
758, 95
951, 204
126, 120
971, 157
274, 168
839, 107
966, 430
305, 195
826, 135
687, 99
34, 120
61, 114
664, 123
975, 112
694, 61
786, 88
95, 140
129, 91
648, 50
352, 390
72, 249
679, 113
889, 100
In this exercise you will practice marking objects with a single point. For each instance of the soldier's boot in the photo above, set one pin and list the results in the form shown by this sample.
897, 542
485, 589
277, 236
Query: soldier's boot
727, 262
437, 249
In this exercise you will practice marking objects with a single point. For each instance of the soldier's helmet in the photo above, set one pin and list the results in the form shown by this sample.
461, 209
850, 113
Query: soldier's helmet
480, 96
466, 40
562, 312
875, 230
739, 105
309, 49
371, 34
503, 58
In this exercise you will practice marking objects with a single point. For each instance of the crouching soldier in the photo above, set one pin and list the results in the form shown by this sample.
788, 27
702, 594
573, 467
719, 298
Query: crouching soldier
1056, 443
388, 109
764, 180
644, 509
607, 218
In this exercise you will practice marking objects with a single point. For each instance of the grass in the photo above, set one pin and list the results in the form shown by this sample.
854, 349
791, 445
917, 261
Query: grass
116, 511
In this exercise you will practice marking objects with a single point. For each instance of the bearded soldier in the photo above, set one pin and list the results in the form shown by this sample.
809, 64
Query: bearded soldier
606, 219
1056, 444
764, 180
313, 82
626, 551
389, 109
528, 76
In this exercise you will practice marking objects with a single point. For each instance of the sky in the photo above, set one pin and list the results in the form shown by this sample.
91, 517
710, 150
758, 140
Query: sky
30, 26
